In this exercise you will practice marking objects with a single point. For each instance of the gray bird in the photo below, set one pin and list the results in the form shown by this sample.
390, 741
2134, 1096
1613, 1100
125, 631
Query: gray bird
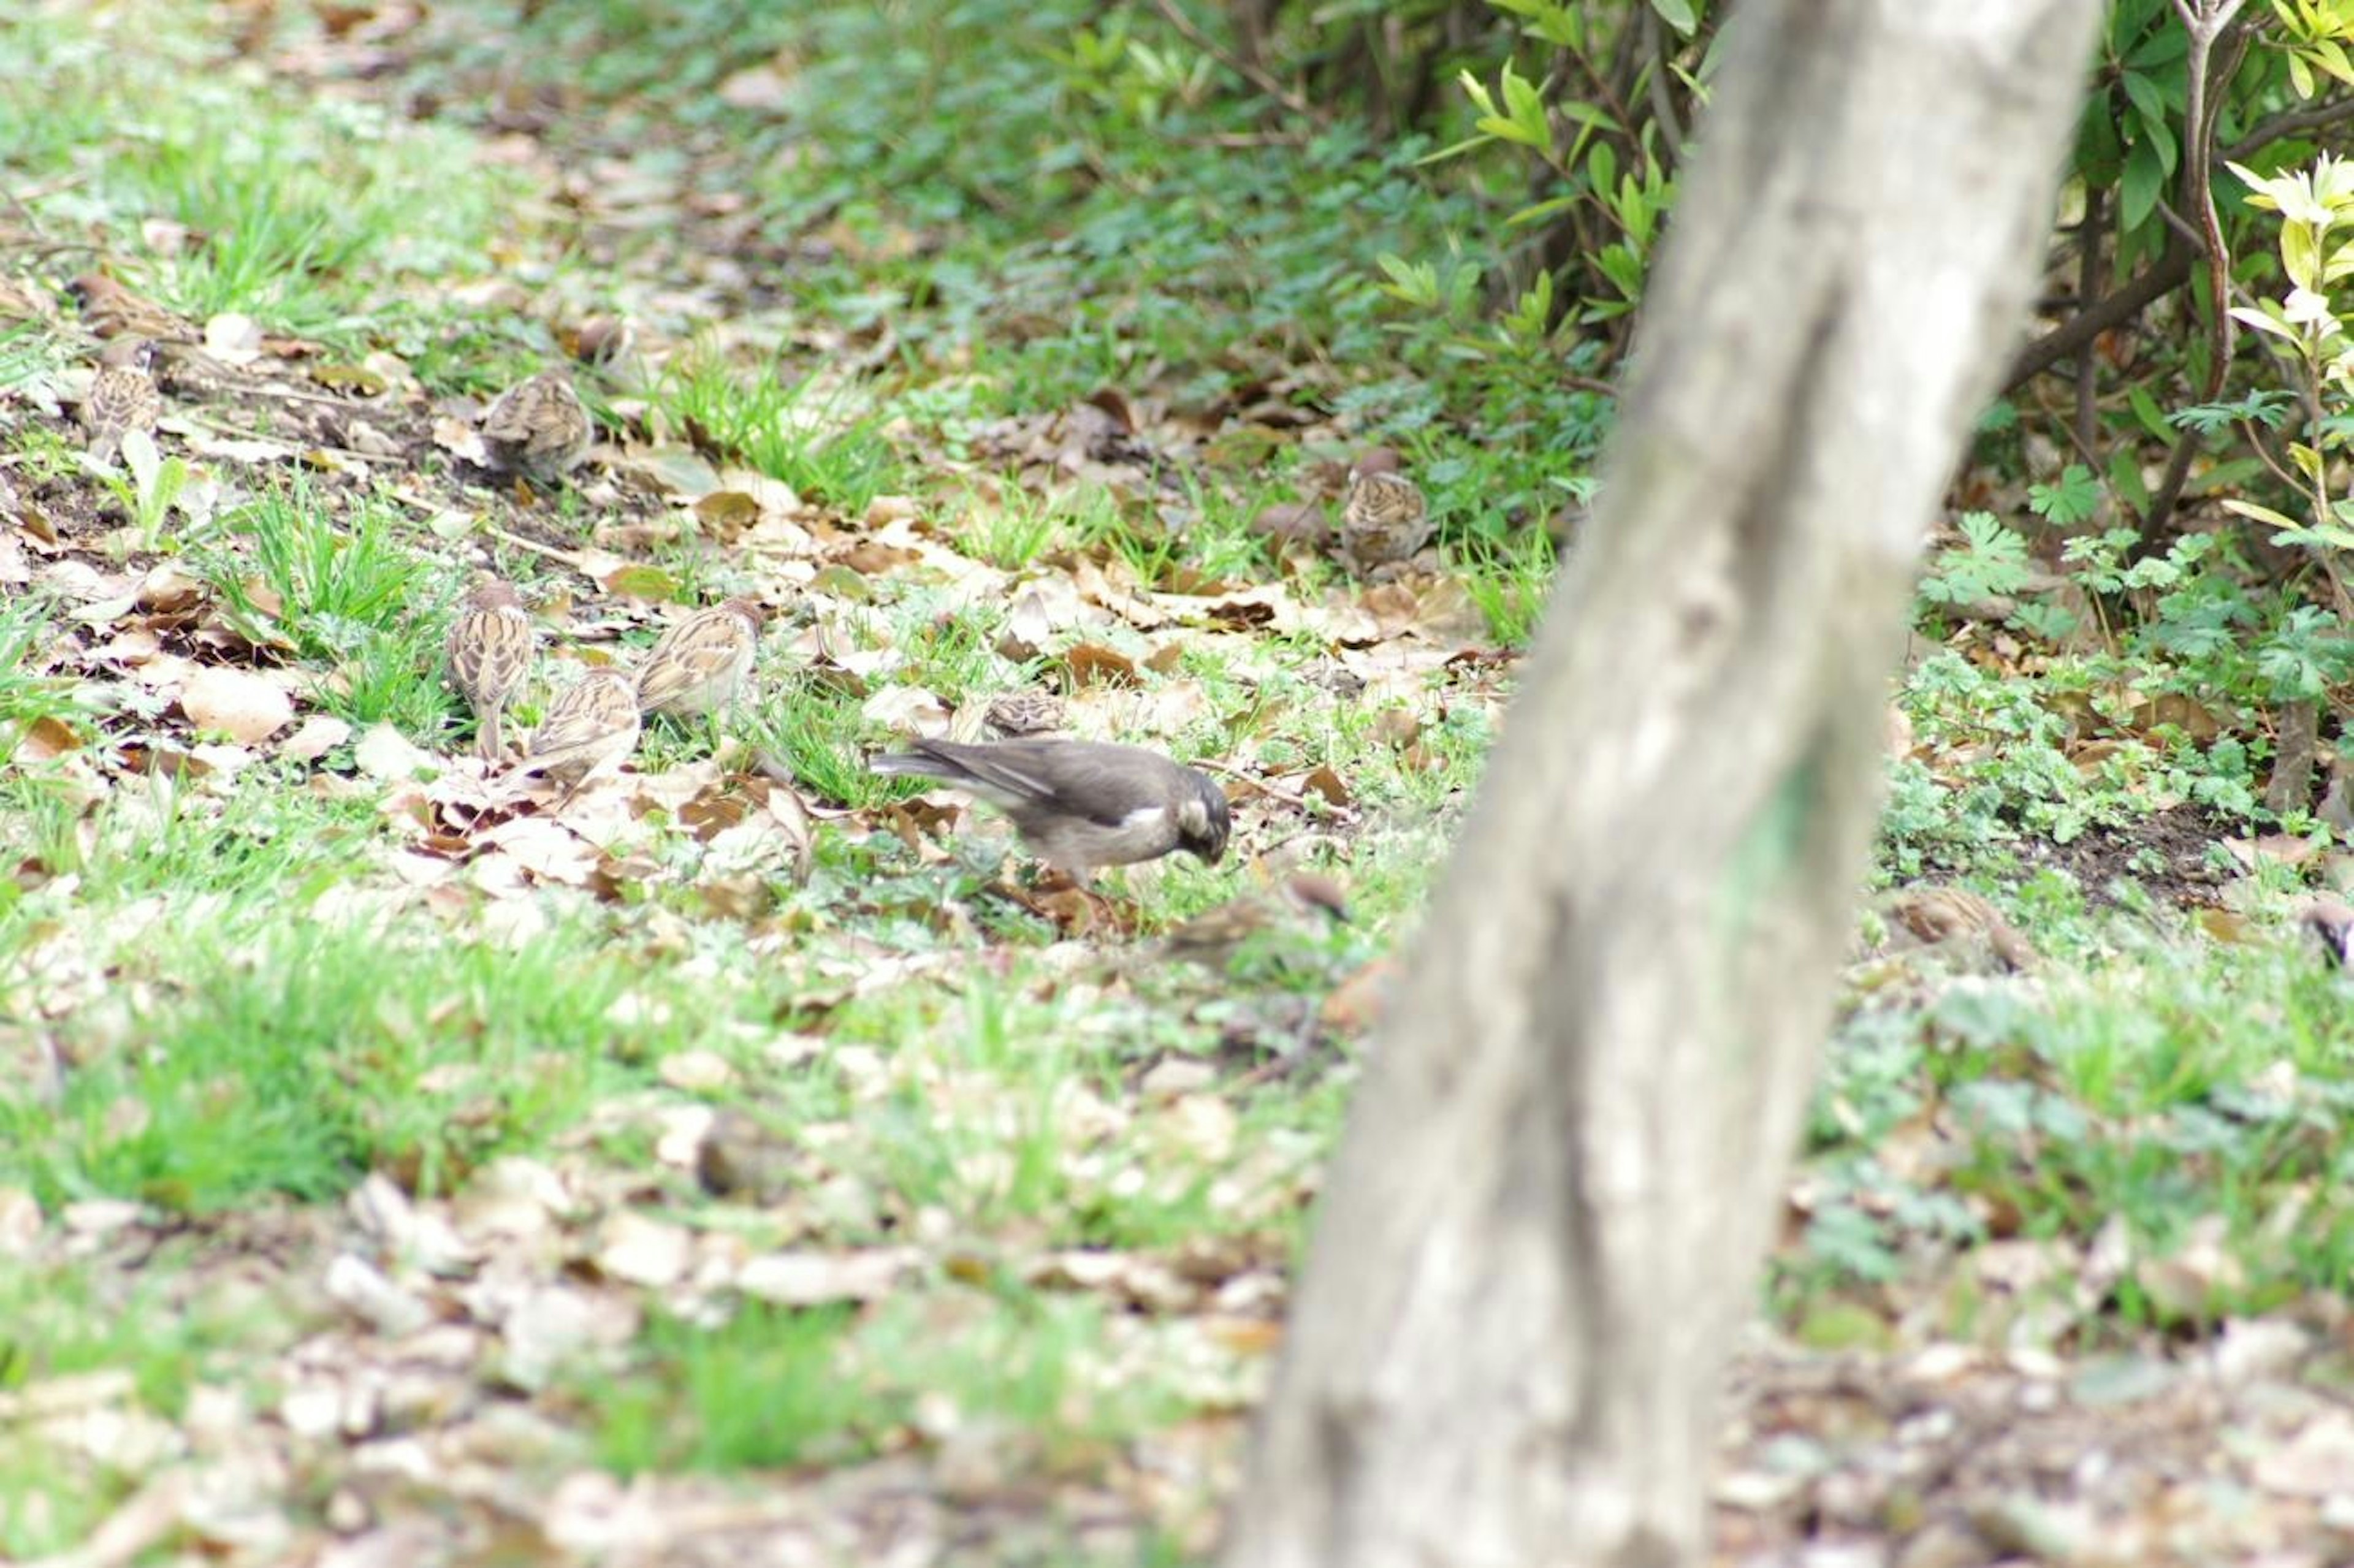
1080, 804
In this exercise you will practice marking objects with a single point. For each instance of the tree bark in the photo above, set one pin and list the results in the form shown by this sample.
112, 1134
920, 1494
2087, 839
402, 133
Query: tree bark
1543, 1222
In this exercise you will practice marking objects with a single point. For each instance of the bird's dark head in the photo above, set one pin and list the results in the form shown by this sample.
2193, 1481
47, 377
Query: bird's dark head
1203, 822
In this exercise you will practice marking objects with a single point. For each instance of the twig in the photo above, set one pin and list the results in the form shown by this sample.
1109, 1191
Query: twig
1664, 104
2172, 267
2207, 21
577, 562
1274, 792
1256, 75
2088, 278
2168, 273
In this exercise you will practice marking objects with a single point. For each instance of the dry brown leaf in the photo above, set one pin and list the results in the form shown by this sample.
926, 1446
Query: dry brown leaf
384, 753
1358, 1002
246, 706
727, 514
1091, 663
1328, 784
313, 738
44, 739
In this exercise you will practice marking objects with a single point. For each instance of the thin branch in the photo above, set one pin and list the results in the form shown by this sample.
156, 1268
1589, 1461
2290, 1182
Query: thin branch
1256, 75
2207, 21
2088, 278
2168, 273
2291, 122
2172, 267
1663, 105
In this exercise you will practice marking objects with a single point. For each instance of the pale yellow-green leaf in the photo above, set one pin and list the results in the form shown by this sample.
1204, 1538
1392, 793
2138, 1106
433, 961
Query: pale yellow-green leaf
2266, 319
2261, 513
2300, 253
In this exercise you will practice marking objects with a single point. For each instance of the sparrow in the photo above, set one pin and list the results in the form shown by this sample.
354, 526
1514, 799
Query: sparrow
590, 727
701, 663
1214, 937
1960, 923
1384, 521
2332, 925
1024, 710
490, 649
113, 310
1080, 804
123, 396
538, 425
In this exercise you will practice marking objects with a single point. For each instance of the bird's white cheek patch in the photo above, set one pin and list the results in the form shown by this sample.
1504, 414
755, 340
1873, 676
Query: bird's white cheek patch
1145, 817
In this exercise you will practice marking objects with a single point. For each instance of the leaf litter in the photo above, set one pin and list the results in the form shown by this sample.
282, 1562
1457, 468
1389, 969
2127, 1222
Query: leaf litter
417, 1373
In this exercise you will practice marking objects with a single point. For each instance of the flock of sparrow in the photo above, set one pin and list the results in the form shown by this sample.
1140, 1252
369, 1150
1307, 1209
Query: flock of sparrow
1078, 805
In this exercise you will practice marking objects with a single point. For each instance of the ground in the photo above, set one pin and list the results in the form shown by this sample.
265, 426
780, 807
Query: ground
750, 1160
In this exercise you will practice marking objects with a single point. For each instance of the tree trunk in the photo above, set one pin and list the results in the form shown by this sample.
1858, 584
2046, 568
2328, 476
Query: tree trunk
1542, 1225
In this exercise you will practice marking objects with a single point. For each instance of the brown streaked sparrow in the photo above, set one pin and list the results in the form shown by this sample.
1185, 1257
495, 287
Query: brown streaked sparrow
1958, 922
123, 396
1214, 937
1384, 521
490, 649
538, 425
1080, 804
1024, 710
112, 310
590, 727
701, 663
2331, 921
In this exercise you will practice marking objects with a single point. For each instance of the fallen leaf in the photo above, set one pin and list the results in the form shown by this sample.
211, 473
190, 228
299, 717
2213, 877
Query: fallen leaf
238, 703
313, 738
384, 753
1091, 663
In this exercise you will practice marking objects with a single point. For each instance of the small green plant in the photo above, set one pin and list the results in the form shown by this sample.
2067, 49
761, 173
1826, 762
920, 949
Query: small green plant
353, 597
767, 1388
1010, 529
818, 734
155, 486
815, 439
27, 696
1508, 579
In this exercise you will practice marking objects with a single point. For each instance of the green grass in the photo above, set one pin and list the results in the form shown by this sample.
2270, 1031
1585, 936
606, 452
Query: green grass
350, 593
774, 1387
965, 229
293, 1058
295, 209
2164, 1092
814, 435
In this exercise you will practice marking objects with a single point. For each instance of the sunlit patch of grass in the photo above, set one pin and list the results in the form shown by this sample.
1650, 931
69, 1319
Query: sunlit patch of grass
950, 652
774, 1386
1508, 581
294, 210
810, 433
820, 737
349, 592
279, 1052
764, 1388
2193, 1097
1009, 529
159, 1327
29, 696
